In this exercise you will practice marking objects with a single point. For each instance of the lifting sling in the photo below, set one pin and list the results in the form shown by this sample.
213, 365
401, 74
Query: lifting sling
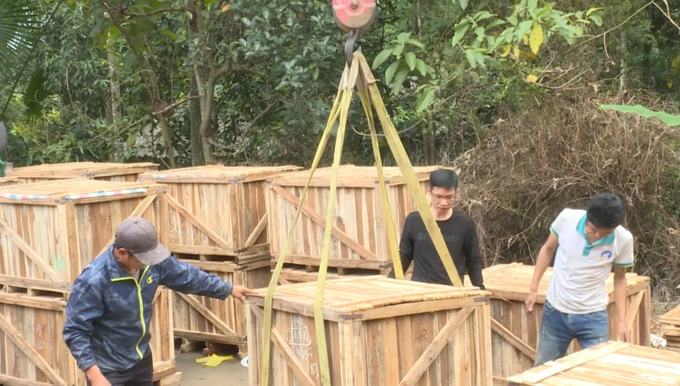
357, 74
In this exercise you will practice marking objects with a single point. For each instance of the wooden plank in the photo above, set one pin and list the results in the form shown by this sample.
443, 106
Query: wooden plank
196, 304
574, 361
30, 352
139, 210
513, 339
6, 380
197, 223
208, 337
285, 350
30, 252
436, 346
321, 222
261, 225
633, 308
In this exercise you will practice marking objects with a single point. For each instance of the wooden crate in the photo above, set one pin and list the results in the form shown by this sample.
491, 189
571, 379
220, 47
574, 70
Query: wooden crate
515, 333
379, 331
105, 171
50, 231
217, 210
199, 318
5, 181
670, 323
33, 351
359, 234
609, 364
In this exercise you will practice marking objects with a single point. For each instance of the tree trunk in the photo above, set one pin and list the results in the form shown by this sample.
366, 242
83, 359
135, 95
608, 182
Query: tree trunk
151, 83
204, 127
197, 156
115, 110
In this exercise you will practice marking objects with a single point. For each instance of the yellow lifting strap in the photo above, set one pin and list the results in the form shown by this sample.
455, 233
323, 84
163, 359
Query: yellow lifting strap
358, 76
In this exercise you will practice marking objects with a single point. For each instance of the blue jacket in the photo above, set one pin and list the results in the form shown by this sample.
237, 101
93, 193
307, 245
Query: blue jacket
108, 312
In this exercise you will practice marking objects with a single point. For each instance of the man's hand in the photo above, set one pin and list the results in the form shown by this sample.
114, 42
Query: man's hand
96, 377
624, 334
240, 292
531, 300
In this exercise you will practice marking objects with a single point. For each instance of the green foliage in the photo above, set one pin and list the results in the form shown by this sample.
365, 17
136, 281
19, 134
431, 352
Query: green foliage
19, 24
405, 51
485, 36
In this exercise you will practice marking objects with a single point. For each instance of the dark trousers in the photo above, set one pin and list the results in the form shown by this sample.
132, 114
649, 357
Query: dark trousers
140, 374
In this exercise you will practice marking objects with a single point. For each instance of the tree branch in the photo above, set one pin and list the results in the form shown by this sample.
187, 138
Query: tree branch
172, 106
125, 12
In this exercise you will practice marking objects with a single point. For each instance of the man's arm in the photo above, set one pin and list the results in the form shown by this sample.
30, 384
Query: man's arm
473, 258
184, 277
405, 249
545, 256
84, 306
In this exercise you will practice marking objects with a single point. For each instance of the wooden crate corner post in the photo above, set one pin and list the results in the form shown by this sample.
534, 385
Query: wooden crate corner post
379, 331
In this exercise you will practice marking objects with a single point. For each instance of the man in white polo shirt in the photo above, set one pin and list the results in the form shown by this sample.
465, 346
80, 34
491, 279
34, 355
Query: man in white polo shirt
588, 244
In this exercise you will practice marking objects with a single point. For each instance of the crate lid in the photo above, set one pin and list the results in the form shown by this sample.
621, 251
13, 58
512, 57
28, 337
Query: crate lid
80, 169
512, 281
350, 175
609, 364
671, 317
217, 174
366, 293
73, 190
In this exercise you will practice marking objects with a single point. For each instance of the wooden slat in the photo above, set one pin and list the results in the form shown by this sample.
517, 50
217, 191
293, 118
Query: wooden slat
30, 352
436, 346
139, 210
285, 350
574, 361
513, 339
196, 304
30, 252
321, 222
261, 225
197, 223
6, 380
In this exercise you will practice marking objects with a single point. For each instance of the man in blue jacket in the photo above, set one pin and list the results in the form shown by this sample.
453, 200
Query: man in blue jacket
109, 310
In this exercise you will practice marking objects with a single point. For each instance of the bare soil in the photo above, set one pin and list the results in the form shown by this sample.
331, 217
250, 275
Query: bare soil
228, 373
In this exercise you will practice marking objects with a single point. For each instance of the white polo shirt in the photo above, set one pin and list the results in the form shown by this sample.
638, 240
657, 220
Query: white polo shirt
581, 269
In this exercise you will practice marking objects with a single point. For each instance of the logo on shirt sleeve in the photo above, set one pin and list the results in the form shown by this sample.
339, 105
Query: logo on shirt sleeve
606, 255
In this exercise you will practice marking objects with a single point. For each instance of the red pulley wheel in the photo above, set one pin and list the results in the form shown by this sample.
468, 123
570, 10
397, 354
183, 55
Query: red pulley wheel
354, 15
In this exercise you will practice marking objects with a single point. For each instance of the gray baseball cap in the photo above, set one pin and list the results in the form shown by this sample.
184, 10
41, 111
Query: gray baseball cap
138, 236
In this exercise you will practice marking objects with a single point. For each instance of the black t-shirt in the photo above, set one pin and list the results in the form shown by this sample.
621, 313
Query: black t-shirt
460, 236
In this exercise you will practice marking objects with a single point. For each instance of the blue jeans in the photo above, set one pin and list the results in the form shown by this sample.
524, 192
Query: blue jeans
559, 329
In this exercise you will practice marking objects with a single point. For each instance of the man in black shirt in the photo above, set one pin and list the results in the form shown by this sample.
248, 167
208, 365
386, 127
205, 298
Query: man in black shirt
459, 232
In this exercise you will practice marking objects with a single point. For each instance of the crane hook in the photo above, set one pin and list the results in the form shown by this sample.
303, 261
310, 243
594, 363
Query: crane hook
349, 46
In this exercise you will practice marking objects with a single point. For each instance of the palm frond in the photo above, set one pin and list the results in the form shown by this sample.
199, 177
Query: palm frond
20, 22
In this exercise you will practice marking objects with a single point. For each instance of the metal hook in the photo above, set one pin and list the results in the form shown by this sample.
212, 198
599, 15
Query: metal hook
349, 46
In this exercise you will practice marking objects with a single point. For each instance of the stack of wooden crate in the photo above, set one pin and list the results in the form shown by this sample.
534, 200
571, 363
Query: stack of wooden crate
218, 222
359, 241
49, 232
670, 322
103, 171
515, 333
378, 331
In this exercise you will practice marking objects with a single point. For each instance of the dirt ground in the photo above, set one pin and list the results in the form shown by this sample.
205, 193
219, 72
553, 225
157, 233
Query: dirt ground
228, 373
